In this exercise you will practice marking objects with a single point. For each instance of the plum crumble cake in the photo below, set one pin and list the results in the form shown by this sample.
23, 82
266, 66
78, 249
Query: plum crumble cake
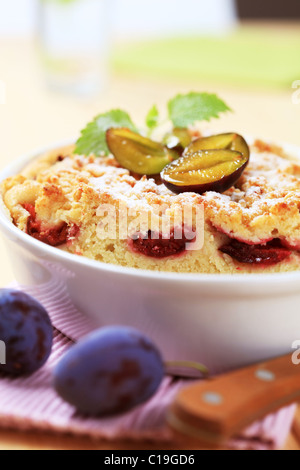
250, 227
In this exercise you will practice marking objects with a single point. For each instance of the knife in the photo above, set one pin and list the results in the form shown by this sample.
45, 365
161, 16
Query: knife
216, 410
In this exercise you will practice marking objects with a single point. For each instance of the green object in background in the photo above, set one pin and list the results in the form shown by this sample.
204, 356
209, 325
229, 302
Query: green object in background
62, 2
250, 56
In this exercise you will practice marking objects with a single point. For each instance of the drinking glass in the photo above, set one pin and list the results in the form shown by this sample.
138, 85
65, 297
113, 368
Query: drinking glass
74, 44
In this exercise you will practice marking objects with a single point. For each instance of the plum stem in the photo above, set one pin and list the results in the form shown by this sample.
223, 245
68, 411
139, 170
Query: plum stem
189, 365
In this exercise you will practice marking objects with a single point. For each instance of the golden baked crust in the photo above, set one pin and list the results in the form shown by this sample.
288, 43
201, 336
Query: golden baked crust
264, 204
57, 198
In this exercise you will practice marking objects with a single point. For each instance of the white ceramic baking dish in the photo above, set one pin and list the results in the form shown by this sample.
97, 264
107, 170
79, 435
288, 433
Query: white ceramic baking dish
223, 321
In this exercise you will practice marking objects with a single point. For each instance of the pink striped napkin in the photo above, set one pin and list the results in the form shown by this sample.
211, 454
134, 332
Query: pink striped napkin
32, 404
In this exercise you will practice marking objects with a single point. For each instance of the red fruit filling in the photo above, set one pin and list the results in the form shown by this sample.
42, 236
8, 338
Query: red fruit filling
54, 236
291, 244
269, 254
160, 247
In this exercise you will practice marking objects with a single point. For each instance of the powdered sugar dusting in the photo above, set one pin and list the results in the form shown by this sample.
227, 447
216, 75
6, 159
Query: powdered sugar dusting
265, 200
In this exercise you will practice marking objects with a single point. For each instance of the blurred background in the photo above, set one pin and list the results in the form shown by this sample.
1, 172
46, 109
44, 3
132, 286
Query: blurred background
64, 61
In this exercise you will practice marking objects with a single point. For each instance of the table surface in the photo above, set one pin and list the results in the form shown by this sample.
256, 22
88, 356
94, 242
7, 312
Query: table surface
34, 117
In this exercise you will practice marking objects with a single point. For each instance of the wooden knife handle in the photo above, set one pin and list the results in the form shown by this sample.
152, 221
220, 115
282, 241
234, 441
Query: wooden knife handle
217, 409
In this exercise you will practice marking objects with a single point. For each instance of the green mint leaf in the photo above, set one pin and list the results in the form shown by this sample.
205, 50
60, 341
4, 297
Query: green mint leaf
152, 118
185, 110
93, 137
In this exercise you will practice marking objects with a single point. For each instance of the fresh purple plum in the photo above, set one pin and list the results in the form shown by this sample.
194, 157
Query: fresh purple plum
110, 371
26, 330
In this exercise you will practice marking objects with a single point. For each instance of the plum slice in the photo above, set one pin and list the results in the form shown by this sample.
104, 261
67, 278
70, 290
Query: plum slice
212, 163
269, 254
137, 153
204, 170
229, 141
178, 140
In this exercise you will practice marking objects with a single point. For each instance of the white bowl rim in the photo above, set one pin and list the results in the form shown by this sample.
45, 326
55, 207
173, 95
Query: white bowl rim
223, 279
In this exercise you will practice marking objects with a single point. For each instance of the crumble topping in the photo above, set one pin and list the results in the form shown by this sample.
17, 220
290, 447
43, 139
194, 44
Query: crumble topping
264, 205
56, 197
